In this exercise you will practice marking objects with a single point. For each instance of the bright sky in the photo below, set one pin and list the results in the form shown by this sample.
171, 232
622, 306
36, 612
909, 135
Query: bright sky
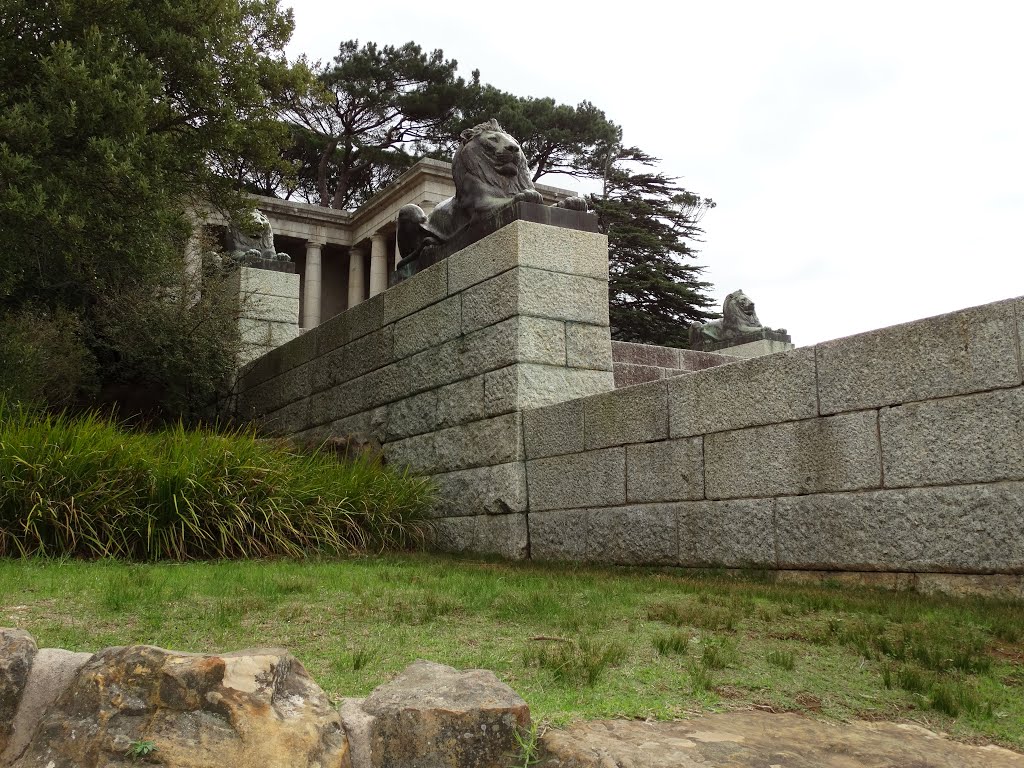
867, 158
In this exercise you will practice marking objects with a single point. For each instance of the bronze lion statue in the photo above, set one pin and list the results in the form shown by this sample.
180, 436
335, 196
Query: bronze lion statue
738, 319
490, 172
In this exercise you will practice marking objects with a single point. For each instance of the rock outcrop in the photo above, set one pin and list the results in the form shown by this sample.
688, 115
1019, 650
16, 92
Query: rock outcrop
256, 707
433, 716
17, 652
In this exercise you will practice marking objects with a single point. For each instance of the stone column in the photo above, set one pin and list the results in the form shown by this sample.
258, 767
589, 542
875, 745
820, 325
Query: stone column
378, 264
311, 286
356, 270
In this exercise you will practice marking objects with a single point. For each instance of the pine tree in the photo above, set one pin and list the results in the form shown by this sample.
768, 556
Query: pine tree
651, 223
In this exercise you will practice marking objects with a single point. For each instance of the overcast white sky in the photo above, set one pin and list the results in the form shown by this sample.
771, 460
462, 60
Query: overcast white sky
867, 158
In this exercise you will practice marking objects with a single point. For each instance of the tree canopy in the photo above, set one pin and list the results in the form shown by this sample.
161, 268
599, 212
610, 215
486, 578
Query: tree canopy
114, 117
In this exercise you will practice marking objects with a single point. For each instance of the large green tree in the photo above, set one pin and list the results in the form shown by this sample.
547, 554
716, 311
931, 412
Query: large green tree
114, 118
376, 110
652, 223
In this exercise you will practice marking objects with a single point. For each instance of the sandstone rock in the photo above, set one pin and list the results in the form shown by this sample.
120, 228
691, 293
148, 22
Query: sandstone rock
17, 652
760, 740
433, 716
52, 673
251, 708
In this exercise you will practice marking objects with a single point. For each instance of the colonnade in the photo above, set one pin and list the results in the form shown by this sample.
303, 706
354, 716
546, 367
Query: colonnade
374, 258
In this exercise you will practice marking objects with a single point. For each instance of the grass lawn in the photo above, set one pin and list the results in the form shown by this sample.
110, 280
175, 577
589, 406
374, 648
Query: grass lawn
575, 642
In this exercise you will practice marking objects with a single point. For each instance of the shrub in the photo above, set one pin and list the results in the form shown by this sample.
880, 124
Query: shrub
43, 359
83, 487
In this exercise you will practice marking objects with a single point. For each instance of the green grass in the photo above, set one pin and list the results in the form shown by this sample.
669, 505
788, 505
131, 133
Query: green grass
83, 487
575, 642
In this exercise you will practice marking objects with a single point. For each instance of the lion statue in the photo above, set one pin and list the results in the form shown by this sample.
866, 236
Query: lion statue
254, 241
738, 319
490, 171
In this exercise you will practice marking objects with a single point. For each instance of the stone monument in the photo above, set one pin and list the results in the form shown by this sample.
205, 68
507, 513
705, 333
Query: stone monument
254, 242
739, 332
491, 174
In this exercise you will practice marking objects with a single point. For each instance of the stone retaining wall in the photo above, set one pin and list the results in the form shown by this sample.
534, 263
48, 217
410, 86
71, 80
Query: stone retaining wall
896, 450
440, 368
899, 450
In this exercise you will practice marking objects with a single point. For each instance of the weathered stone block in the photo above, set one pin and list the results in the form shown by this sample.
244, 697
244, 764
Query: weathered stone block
563, 297
412, 415
421, 290
501, 391
837, 453
268, 712
757, 348
429, 327
278, 309
628, 375
17, 652
461, 402
631, 415
634, 535
530, 245
968, 439
541, 341
267, 282
491, 301
369, 352
477, 444
332, 333
670, 470
560, 534
285, 421
438, 717
764, 390
591, 479
588, 346
299, 350
503, 535
554, 430
959, 353
645, 354
540, 385
365, 317
328, 369
729, 534
960, 529
487, 349
496, 490
265, 332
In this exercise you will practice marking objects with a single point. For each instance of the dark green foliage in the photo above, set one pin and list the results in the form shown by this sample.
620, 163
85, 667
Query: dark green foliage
84, 488
43, 358
373, 110
113, 116
651, 223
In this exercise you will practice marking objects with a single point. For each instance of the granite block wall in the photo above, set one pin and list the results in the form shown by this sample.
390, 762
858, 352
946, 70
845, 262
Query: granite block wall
440, 368
899, 450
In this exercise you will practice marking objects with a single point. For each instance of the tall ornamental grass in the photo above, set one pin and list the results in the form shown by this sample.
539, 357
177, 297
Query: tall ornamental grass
82, 487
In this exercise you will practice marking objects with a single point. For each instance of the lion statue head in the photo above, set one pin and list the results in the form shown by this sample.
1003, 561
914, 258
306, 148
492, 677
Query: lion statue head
738, 315
490, 157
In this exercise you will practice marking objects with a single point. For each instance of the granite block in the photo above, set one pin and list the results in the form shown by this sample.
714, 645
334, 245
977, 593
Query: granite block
419, 291
494, 490
967, 351
628, 374
747, 393
631, 415
477, 444
502, 535
968, 439
955, 529
554, 430
669, 470
727, 534
645, 354
461, 402
588, 346
591, 479
365, 317
429, 327
837, 453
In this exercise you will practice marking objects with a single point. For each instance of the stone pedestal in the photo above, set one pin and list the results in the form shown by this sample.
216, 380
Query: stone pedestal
757, 348
268, 310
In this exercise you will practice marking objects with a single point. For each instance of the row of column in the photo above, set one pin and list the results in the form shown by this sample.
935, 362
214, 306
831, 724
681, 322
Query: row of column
313, 281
